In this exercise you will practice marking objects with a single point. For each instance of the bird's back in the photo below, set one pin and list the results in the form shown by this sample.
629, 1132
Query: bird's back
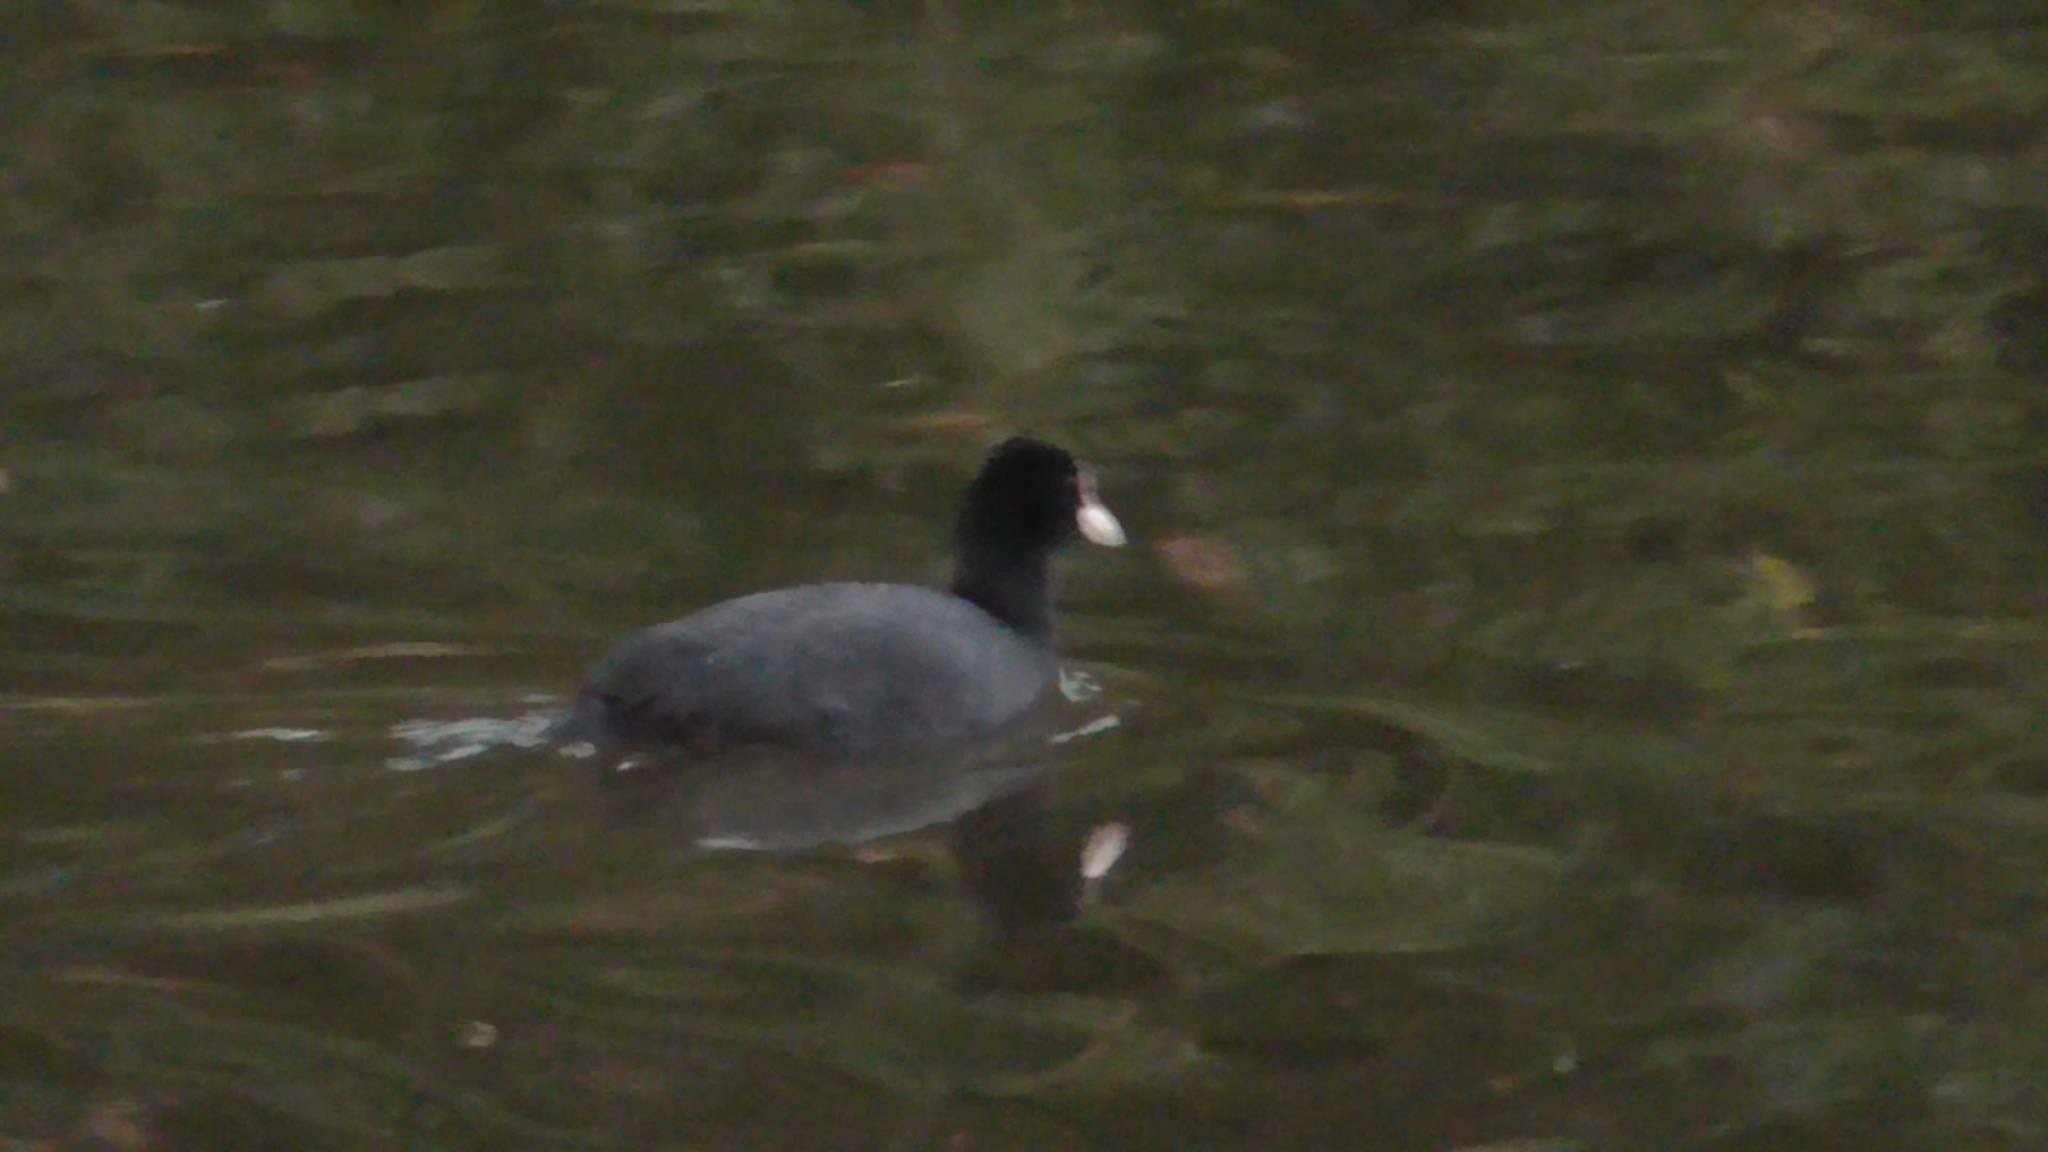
826, 712
848, 670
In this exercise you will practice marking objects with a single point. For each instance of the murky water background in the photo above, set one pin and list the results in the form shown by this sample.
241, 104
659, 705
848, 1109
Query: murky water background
1578, 685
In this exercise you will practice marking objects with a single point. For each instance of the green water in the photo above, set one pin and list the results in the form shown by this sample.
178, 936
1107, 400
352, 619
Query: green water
1578, 675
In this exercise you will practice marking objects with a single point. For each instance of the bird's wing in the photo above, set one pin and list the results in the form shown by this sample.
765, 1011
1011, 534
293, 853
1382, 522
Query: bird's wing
849, 671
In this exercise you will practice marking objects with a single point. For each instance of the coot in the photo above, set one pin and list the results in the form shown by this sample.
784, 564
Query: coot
846, 712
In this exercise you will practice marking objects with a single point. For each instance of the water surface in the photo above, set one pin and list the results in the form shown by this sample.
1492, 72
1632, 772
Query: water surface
1577, 679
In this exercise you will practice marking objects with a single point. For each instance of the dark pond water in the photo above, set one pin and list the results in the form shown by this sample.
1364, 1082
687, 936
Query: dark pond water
1577, 680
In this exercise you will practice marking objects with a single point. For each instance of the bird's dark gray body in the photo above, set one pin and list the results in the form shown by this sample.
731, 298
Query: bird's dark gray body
830, 712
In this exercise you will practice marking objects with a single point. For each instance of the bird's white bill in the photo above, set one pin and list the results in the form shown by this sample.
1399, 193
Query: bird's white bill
1097, 523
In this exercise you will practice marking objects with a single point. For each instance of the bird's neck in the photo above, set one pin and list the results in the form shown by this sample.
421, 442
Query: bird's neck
1013, 587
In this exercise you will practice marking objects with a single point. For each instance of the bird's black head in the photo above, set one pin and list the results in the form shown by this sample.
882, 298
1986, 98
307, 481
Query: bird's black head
1030, 498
